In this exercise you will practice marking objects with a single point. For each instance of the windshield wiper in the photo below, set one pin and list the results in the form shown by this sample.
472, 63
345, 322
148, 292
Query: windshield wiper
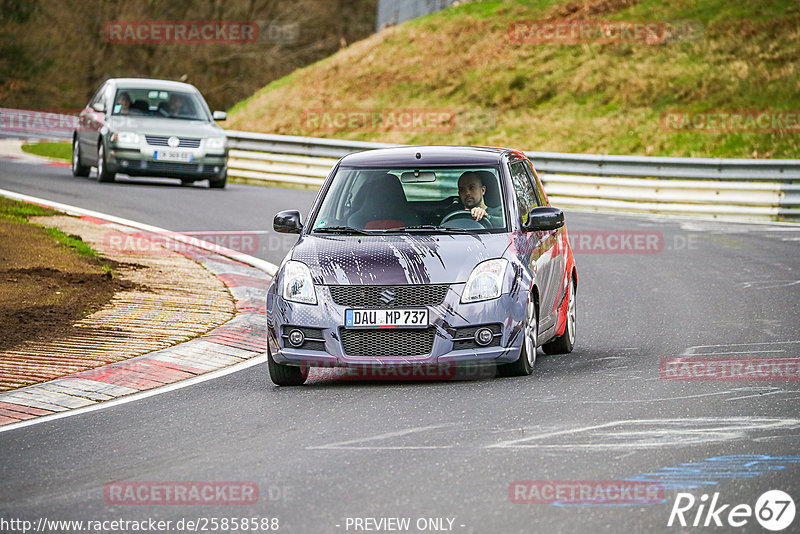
432, 228
341, 230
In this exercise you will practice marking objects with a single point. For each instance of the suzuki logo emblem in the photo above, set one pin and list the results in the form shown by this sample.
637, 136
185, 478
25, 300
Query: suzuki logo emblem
387, 296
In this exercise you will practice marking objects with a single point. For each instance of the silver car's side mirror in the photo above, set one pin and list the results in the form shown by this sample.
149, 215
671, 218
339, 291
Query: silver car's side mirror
99, 107
219, 115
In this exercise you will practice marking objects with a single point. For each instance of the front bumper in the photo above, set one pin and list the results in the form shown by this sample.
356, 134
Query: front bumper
140, 161
506, 312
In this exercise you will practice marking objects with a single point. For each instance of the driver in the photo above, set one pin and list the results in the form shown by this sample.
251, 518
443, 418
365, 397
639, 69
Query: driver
471, 191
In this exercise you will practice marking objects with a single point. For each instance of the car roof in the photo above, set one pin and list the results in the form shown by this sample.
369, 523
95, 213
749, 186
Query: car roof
147, 83
428, 155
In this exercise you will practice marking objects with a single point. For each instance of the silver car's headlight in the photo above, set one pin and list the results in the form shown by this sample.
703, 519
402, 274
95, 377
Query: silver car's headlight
485, 281
215, 142
128, 138
297, 283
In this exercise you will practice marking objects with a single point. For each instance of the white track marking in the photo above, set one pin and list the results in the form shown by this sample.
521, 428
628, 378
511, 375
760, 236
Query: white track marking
652, 433
139, 396
350, 444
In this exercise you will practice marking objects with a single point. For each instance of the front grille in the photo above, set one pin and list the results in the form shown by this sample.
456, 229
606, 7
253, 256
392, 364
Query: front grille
386, 342
185, 142
162, 166
377, 296
464, 338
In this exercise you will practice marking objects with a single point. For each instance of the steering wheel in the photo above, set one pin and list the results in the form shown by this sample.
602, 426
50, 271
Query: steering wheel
464, 214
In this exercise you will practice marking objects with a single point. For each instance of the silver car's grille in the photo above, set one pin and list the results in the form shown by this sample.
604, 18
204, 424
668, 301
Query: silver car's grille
388, 296
185, 142
387, 342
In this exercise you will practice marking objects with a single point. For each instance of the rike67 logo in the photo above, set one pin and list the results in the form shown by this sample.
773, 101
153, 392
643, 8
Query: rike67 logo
774, 510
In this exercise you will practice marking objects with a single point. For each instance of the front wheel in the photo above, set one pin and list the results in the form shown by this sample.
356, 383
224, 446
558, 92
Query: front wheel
527, 356
78, 168
564, 343
286, 375
103, 174
220, 182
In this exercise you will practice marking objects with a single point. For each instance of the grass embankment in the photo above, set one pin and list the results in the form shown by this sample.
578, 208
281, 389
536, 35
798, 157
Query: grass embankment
48, 279
589, 97
56, 150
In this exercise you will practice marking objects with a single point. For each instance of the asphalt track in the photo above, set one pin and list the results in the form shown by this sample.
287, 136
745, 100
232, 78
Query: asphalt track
338, 449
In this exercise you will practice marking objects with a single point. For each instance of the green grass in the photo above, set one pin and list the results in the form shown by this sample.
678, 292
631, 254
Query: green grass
21, 211
61, 150
604, 98
74, 242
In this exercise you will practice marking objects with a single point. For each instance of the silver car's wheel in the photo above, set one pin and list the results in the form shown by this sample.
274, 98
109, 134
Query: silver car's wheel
103, 175
78, 169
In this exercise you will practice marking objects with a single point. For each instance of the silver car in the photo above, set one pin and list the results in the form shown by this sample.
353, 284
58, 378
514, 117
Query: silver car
143, 127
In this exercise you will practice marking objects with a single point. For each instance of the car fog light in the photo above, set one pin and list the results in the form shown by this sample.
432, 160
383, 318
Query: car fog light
483, 336
296, 338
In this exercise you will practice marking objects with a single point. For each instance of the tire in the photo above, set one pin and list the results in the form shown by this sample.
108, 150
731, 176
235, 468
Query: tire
285, 375
220, 182
564, 343
78, 168
103, 174
527, 356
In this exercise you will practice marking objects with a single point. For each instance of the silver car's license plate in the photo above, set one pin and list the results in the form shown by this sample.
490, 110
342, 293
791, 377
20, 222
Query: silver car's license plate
386, 318
174, 155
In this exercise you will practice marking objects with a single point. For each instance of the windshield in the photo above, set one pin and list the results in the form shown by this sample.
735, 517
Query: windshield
451, 199
145, 102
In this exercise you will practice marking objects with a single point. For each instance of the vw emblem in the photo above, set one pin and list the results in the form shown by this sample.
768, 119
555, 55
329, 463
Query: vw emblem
387, 295
173, 141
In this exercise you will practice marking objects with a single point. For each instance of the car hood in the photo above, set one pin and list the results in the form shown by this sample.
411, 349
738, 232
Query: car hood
165, 126
396, 259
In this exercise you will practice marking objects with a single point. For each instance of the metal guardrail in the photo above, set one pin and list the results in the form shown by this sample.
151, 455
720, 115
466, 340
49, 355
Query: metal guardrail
739, 188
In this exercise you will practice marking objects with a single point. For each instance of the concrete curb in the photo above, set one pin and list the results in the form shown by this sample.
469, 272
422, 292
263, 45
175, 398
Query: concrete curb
234, 342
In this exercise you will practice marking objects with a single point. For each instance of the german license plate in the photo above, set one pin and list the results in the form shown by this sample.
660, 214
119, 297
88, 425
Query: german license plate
174, 155
387, 318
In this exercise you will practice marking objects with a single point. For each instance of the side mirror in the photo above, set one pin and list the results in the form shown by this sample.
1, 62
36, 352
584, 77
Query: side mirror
219, 115
544, 218
99, 107
287, 222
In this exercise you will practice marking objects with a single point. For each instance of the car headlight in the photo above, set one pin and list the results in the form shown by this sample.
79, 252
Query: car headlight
485, 281
297, 284
215, 142
129, 138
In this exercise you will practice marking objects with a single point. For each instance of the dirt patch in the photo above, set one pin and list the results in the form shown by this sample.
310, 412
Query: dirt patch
591, 8
45, 286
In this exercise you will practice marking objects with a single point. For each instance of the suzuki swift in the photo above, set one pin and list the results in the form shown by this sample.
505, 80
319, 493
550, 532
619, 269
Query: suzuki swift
423, 256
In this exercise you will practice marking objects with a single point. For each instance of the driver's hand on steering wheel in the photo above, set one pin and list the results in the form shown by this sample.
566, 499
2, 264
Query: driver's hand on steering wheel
478, 213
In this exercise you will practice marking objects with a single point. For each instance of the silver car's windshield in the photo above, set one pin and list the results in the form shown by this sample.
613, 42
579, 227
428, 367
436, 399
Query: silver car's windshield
425, 200
143, 102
